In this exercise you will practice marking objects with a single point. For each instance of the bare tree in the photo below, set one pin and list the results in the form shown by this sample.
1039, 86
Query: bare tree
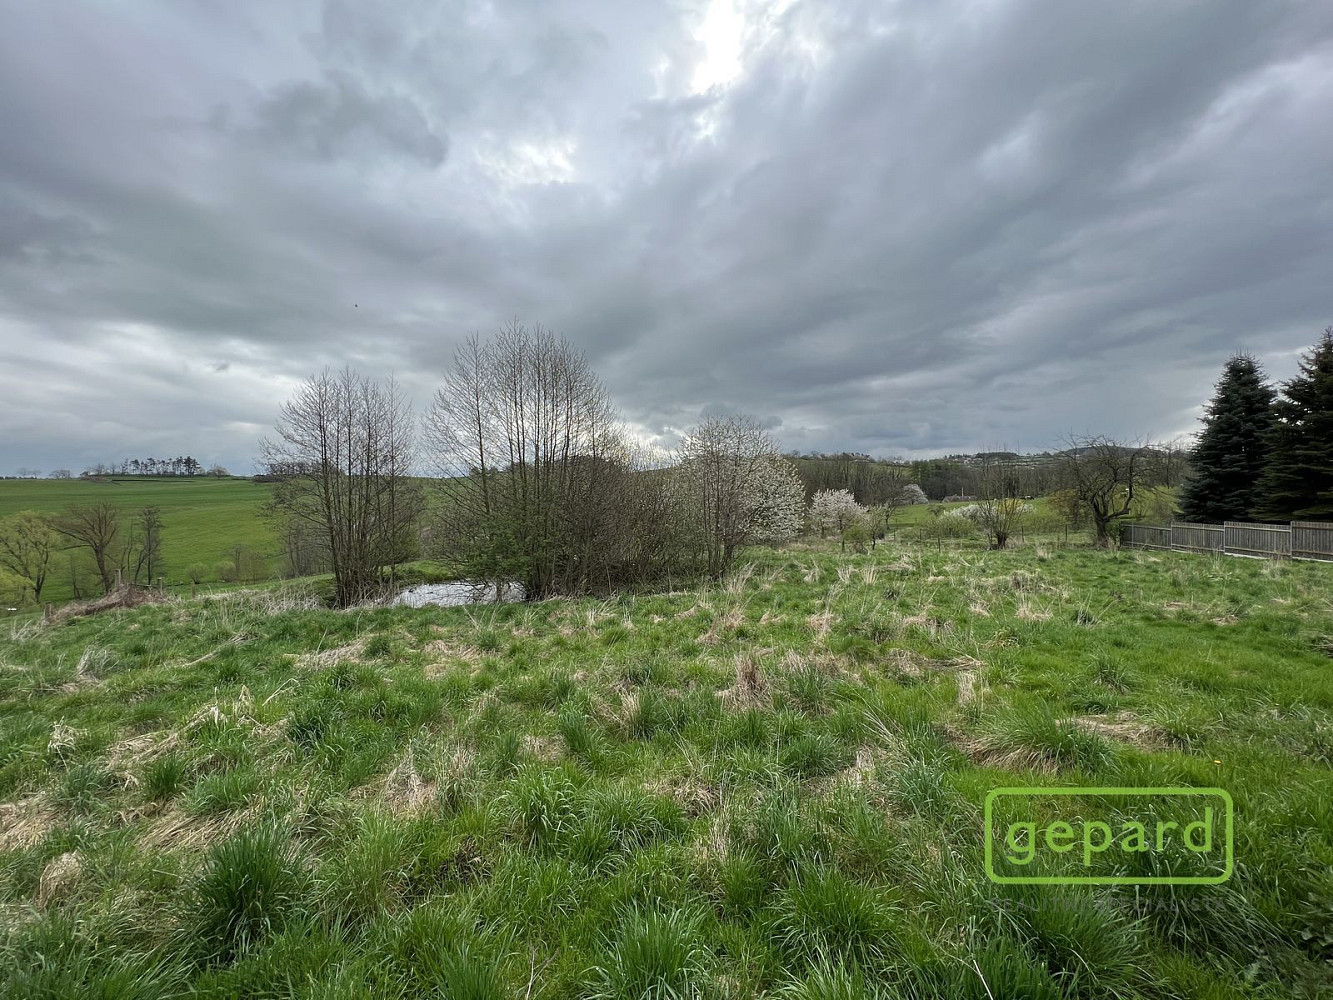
145, 544
1171, 463
27, 543
1000, 509
739, 489
95, 527
305, 547
532, 466
1102, 476
344, 443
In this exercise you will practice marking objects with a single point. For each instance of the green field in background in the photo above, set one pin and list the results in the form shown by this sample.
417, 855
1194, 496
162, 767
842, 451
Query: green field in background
203, 519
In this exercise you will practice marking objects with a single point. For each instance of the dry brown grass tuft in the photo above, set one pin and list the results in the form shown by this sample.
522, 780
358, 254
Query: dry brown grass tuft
547, 749
127, 596
446, 652
694, 796
1028, 613
968, 686
729, 621
176, 829
821, 623
738, 579
752, 689
403, 790
63, 738
928, 623
26, 822
325, 658
59, 876
1125, 727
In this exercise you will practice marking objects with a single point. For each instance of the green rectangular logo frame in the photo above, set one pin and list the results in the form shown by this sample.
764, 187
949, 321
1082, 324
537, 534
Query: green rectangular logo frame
1037, 792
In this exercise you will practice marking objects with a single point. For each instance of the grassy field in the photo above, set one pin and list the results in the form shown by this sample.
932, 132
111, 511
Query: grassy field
203, 519
770, 787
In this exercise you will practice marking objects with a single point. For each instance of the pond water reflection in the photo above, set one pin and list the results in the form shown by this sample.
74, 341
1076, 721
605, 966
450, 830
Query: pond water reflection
457, 592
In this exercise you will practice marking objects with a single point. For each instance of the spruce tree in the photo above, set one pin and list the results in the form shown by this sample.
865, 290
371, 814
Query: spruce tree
1231, 452
1298, 479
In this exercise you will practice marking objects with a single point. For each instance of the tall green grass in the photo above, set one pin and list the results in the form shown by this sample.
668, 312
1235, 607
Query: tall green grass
770, 787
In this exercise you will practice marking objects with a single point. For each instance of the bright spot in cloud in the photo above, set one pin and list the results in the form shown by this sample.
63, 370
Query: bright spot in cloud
722, 35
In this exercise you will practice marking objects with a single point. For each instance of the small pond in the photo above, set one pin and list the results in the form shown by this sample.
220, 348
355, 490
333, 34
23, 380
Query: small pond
457, 592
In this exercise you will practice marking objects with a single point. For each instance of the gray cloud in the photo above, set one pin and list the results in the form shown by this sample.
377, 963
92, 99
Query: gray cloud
337, 118
893, 227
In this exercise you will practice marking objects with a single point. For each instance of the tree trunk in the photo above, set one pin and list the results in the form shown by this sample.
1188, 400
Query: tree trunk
1103, 526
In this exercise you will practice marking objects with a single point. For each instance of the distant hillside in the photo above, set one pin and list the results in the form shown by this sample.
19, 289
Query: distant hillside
204, 518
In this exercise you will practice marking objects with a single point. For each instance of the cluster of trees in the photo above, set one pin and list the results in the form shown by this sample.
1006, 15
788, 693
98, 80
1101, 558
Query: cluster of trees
871, 480
535, 480
1265, 454
98, 540
181, 465
839, 513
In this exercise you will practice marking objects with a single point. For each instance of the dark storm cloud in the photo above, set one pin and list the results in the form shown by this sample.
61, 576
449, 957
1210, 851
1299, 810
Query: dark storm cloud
891, 227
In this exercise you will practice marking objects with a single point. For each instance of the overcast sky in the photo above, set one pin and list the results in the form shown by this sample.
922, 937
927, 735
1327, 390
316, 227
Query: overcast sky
899, 228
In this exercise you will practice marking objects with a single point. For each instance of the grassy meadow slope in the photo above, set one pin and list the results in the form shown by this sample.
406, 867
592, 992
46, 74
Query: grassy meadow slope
772, 787
203, 518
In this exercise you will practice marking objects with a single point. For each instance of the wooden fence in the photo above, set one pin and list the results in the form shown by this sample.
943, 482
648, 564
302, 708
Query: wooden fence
1311, 539
1297, 540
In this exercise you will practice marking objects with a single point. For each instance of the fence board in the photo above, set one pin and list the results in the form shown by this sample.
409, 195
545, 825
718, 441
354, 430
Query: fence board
1312, 540
1146, 536
1272, 541
1191, 537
